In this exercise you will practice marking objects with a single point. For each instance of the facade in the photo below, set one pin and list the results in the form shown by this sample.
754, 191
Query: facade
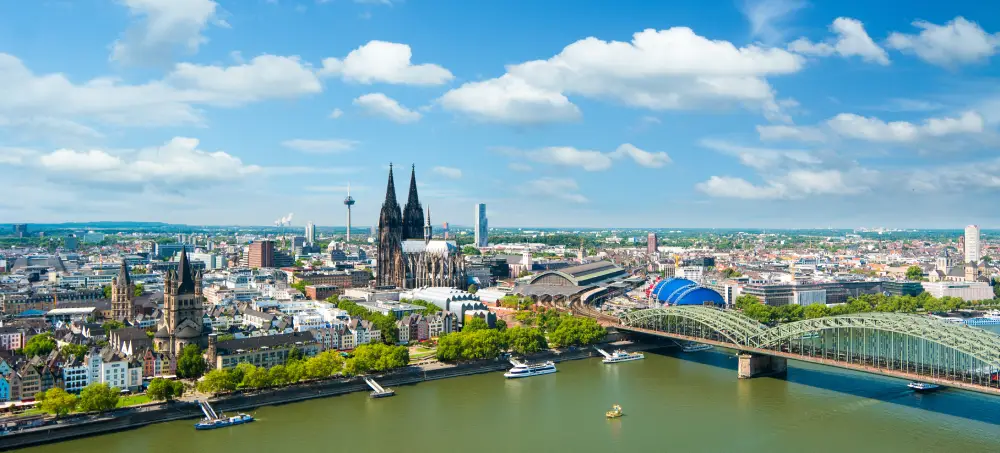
651, 243
14, 304
970, 291
407, 256
183, 310
482, 226
11, 338
310, 233
902, 288
266, 351
261, 254
122, 295
322, 292
162, 251
76, 375
973, 248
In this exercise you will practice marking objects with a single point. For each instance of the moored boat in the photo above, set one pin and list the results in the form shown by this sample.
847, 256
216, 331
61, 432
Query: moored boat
622, 356
923, 387
522, 370
696, 347
215, 420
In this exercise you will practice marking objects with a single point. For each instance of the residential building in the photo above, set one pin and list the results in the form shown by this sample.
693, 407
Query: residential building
265, 351
130, 340
398, 310
114, 368
75, 374
5, 393
322, 292
11, 338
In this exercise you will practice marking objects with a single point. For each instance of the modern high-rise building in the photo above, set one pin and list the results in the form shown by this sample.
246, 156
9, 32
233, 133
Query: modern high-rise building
482, 226
651, 241
261, 254
310, 233
973, 248
20, 230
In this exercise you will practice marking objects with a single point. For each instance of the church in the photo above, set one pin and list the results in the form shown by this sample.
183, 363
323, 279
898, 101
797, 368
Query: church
183, 309
408, 256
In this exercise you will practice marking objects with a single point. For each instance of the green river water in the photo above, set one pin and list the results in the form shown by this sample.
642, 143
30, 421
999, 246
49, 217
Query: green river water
673, 401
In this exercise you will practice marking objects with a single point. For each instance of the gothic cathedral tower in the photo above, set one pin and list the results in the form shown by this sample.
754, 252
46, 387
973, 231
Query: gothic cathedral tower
391, 270
122, 295
413, 213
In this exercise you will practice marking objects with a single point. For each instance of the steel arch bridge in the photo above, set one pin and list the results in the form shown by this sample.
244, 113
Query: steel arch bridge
893, 344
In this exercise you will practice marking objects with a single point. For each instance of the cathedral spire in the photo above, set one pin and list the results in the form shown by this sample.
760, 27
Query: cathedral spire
390, 189
428, 229
413, 214
185, 276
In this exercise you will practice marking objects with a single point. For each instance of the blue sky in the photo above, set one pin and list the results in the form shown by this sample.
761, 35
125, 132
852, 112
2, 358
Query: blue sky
774, 113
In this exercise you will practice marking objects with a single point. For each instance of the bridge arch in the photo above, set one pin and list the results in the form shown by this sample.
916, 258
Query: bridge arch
974, 342
734, 326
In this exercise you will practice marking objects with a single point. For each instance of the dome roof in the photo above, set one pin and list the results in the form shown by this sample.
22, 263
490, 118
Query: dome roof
665, 288
698, 296
162, 333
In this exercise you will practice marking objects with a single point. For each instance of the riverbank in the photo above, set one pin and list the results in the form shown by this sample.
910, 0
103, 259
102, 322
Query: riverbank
164, 412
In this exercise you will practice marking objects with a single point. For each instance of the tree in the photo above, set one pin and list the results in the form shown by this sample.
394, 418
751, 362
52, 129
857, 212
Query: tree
295, 354
56, 401
190, 364
501, 325
217, 381
996, 288
108, 326
255, 378
107, 291
278, 375
574, 330
39, 345
746, 300
165, 390
98, 397
473, 288
376, 357
470, 250
75, 350
815, 311
475, 323
324, 365
914, 273
139, 289
300, 285
525, 340
524, 273
300, 263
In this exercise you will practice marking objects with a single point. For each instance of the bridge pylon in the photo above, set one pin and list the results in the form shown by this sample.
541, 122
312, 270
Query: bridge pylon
757, 365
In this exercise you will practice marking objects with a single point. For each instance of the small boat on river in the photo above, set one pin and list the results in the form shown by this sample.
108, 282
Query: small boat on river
696, 347
215, 420
615, 412
922, 387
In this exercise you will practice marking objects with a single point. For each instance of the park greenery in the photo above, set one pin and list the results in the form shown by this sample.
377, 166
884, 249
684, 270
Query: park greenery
39, 345
384, 323
165, 390
429, 307
98, 397
191, 364
516, 302
477, 341
365, 358
767, 314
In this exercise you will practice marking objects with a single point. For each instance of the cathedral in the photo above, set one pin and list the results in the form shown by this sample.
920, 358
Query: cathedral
407, 255
183, 310
122, 295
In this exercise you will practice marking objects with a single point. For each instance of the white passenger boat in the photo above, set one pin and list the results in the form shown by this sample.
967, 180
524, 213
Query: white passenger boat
622, 356
522, 370
923, 387
696, 347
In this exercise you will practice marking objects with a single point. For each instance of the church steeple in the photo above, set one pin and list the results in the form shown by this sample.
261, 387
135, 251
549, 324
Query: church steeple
185, 275
413, 213
428, 229
390, 191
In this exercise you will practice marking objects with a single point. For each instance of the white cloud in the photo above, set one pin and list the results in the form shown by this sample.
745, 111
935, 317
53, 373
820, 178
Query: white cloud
644, 158
15, 156
385, 62
381, 105
730, 187
336, 113
851, 40
178, 162
564, 189
956, 42
569, 156
658, 70
876, 130
519, 167
766, 17
763, 158
448, 172
783, 132
372, 2
264, 77
510, 100
321, 146
171, 101
165, 27
793, 185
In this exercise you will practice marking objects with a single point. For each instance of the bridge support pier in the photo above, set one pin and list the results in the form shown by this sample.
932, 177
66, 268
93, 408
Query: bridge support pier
754, 365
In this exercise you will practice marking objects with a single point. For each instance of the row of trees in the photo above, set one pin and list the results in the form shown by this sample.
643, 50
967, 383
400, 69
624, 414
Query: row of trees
93, 398
428, 306
476, 342
384, 323
516, 302
766, 314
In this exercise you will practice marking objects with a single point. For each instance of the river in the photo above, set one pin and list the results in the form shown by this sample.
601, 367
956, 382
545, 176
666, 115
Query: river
673, 401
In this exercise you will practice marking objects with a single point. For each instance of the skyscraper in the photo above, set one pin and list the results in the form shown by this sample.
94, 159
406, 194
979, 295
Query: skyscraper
651, 241
482, 226
261, 254
973, 248
310, 233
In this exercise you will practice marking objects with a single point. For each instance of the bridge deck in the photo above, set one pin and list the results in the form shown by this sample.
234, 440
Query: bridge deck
822, 361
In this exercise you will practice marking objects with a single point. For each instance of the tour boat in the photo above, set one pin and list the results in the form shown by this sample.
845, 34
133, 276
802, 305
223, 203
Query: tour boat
622, 356
215, 420
522, 370
615, 412
923, 387
696, 347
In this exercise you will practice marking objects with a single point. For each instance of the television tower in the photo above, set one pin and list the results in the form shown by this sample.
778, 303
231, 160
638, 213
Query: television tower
348, 202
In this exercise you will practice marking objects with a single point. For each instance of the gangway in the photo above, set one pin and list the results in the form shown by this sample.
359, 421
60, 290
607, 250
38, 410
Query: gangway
377, 390
603, 352
207, 410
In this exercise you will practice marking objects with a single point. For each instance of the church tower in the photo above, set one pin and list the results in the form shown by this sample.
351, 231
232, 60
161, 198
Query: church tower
122, 295
428, 229
413, 213
183, 309
390, 235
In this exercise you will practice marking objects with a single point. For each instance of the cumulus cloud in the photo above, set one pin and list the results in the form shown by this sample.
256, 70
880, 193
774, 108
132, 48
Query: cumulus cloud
564, 189
641, 157
877, 130
336, 113
767, 16
659, 70
448, 172
330, 146
385, 62
785, 132
176, 163
763, 158
569, 156
851, 40
959, 41
378, 104
795, 184
171, 101
162, 28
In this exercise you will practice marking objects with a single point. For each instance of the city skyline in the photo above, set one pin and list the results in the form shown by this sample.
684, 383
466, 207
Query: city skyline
764, 114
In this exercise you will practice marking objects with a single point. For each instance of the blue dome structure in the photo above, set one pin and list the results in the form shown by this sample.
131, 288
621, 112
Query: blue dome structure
681, 291
665, 288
